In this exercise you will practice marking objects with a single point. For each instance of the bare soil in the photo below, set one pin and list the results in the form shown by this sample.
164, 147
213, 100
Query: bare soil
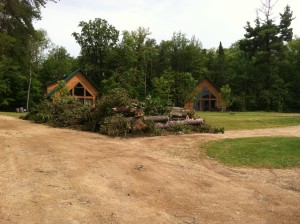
51, 175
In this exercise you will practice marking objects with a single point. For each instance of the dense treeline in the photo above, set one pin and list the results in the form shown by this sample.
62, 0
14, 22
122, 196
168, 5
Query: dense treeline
262, 69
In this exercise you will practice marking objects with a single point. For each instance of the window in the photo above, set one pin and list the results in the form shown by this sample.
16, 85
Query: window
82, 94
79, 90
87, 93
206, 101
205, 93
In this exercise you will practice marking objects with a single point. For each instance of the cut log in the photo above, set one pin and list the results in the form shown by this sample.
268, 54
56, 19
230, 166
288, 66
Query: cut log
197, 121
181, 112
161, 119
161, 125
187, 121
136, 124
132, 111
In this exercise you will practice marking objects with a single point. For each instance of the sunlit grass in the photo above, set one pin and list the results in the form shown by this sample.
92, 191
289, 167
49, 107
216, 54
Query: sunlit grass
259, 152
249, 120
13, 114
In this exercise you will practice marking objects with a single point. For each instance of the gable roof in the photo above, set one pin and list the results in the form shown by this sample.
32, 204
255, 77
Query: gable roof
67, 78
211, 82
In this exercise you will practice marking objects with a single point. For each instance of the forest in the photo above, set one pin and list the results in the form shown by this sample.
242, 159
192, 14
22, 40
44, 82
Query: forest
262, 69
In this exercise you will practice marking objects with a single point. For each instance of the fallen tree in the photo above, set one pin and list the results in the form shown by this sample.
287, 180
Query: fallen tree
197, 121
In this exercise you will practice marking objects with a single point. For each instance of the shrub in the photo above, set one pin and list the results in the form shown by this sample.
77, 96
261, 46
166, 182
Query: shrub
156, 106
42, 114
115, 125
113, 98
180, 129
68, 113
64, 110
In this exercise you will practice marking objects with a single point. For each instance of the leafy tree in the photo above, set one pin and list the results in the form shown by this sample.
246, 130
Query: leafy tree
97, 39
17, 36
16, 19
57, 64
37, 44
160, 97
226, 96
136, 57
290, 71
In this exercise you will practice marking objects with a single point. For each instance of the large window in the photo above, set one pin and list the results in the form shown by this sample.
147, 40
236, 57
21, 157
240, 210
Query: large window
83, 95
206, 101
79, 90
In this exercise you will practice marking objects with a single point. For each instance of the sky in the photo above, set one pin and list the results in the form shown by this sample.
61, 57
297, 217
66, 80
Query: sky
210, 21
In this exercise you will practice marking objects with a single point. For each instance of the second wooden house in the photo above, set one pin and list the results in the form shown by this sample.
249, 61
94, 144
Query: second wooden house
206, 97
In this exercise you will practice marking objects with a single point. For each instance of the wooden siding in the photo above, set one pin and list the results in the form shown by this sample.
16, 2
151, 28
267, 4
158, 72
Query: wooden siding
51, 87
205, 84
78, 77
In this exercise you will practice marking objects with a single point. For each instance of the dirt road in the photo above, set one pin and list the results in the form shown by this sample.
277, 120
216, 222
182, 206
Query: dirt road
50, 175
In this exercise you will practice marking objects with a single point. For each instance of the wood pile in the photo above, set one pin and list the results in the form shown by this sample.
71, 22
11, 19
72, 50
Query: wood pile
136, 118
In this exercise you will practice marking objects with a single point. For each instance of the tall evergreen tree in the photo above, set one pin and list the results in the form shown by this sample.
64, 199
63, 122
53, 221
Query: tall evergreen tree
263, 45
220, 79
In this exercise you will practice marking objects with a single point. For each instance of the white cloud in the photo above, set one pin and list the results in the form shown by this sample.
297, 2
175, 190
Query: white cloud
211, 21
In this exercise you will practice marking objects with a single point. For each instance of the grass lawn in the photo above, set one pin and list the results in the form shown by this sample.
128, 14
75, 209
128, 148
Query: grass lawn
13, 114
259, 152
249, 120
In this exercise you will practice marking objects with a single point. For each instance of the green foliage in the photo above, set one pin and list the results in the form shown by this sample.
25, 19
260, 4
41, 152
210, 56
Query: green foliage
180, 129
226, 96
260, 152
113, 98
42, 114
97, 39
58, 64
68, 113
63, 111
264, 47
262, 69
156, 106
160, 100
20, 50
115, 125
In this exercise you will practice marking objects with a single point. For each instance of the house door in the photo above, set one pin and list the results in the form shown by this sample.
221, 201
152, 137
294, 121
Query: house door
205, 105
206, 101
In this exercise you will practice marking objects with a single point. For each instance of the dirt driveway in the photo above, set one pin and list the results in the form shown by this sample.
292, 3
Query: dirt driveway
50, 175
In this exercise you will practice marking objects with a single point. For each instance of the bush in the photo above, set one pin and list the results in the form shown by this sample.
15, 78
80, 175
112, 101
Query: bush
42, 114
113, 98
156, 106
71, 113
115, 125
64, 110
180, 129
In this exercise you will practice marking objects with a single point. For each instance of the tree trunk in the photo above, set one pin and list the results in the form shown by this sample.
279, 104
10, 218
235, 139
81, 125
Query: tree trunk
197, 121
158, 118
29, 87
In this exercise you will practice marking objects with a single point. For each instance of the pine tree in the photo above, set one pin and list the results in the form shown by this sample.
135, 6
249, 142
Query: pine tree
264, 46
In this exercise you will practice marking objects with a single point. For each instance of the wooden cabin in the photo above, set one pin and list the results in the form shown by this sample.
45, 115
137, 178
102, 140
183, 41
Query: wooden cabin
80, 86
206, 97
